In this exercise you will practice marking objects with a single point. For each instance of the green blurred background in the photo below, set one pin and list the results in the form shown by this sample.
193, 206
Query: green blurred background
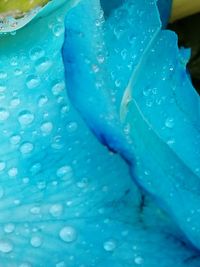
7, 6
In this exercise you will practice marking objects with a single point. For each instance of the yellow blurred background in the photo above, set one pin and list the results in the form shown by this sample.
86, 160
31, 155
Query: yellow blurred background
20, 6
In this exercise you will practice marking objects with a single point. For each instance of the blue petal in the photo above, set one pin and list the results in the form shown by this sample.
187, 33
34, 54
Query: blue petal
162, 77
165, 7
164, 108
65, 200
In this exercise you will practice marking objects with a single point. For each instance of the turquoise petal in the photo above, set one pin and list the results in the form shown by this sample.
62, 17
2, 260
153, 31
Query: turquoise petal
65, 200
164, 108
155, 95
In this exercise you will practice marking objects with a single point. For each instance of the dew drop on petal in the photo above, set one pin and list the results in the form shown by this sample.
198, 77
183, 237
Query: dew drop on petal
26, 148
56, 210
43, 64
42, 100
36, 241
3, 75
32, 81
58, 88
169, 123
109, 245
14, 102
18, 72
72, 127
2, 165
35, 168
25, 117
58, 29
138, 260
36, 53
35, 210
2, 88
12, 172
9, 228
65, 172
5, 246
46, 127
68, 234
4, 114
15, 139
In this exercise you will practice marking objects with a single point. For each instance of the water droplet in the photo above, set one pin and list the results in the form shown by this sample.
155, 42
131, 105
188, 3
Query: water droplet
36, 53
61, 264
4, 114
9, 228
14, 102
35, 210
117, 82
25, 118
58, 29
3, 75
43, 64
18, 72
46, 127
2, 88
14, 61
149, 103
169, 123
12, 172
36, 241
68, 234
95, 68
132, 39
5, 246
124, 54
36, 168
15, 139
64, 109
42, 100
100, 58
32, 81
72, 127
2, 165
171, 141
197, 170
146, 91
83, 183
17, 202
26, 180
109, 245
58, 88
26, 148
65, 172
57, 142
138, 260
14, 32
56, 210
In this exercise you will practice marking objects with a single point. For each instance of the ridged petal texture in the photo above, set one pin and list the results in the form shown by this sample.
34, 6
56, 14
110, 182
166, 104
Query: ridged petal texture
65, 199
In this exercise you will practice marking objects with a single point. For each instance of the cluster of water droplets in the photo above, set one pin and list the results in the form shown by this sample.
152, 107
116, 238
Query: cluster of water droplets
64, 199
44, 193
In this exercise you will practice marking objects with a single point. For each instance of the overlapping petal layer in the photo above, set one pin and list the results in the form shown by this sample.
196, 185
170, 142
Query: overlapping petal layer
160, 92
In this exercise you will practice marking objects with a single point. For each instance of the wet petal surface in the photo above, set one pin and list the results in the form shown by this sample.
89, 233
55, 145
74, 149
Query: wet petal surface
65, 200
